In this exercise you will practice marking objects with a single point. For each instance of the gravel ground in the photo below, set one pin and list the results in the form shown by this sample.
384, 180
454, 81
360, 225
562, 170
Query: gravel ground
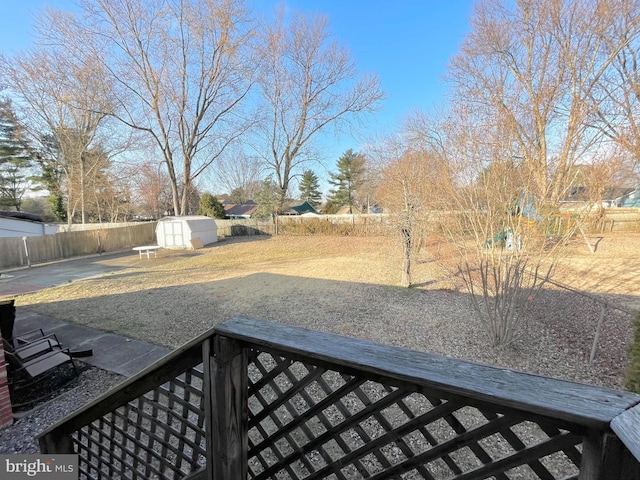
20, 437
344, 285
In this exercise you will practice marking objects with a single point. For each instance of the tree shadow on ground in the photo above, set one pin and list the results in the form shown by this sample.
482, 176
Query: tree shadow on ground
557, 341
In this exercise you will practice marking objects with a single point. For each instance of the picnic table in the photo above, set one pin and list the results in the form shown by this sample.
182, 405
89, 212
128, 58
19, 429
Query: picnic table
147, 249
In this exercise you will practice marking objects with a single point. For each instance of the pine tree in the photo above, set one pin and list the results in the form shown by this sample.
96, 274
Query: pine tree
310, 188
350, 176
15, 158
211, 207
267, 198
48, 158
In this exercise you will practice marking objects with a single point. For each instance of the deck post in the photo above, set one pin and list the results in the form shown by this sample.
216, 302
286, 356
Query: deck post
604, 457
56, 442
227, 390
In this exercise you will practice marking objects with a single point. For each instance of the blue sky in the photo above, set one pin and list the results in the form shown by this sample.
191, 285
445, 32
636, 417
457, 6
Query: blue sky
406, 42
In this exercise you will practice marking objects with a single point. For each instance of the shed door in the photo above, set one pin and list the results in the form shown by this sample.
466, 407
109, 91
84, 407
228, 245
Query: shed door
173, 235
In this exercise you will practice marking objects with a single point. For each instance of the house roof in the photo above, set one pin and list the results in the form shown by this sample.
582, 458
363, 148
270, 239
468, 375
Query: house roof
579, 194
616, 193
244, 210
304, 207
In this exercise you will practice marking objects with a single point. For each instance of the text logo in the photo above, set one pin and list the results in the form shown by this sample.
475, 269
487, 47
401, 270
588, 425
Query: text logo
51, 467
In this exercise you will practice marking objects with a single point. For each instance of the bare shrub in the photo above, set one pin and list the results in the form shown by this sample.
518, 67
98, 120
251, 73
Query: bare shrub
504, 257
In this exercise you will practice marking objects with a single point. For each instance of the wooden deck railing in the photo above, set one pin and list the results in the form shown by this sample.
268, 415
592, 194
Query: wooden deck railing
260, 400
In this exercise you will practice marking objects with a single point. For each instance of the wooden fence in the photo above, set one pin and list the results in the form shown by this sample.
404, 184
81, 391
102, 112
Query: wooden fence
27, 251
262, 400
19, 252
240, 227
618, 220
614, 220
299, 225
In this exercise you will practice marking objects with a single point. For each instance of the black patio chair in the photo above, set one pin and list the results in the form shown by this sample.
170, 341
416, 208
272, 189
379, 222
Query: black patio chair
22, 373
26, 350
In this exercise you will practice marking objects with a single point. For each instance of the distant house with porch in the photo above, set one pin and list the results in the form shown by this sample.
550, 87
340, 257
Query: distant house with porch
23, 224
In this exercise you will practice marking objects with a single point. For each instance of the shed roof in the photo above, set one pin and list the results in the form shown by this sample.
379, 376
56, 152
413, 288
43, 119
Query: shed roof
187, 218
31, 217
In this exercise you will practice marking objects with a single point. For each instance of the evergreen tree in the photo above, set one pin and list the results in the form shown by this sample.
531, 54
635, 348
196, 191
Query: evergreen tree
15, 158
310, 188
350, 176
58, 208
48, 157
267, 198
211, 207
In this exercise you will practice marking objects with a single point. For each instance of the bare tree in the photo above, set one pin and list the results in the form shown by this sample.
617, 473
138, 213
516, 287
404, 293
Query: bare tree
608, 169
617, 114
403, 192
238, 172
67, 99
152, 189
532, 68
308, 82
179, 71
412, 184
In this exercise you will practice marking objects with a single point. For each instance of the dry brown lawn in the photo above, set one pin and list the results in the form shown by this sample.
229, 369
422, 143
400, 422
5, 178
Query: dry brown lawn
349, 285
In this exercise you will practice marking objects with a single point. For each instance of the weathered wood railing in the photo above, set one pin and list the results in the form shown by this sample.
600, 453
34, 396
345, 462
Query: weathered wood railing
274, 401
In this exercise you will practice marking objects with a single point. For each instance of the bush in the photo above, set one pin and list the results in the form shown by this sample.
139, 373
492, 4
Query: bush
632, 377
211, 207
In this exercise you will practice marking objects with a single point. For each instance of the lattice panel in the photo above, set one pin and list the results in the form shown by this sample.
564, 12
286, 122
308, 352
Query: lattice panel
308, 422
158, 435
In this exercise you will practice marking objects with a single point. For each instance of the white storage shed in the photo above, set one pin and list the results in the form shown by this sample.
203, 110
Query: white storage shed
191, 231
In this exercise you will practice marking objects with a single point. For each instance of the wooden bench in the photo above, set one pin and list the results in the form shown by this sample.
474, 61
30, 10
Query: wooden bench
147, 249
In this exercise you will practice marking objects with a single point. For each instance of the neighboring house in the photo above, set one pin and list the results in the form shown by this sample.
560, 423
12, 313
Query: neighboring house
631, 199
304, 207
615, 197
237, 211
22, 224
612, 197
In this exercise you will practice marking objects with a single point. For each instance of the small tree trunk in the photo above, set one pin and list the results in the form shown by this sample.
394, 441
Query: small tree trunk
407, 244
82, 209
